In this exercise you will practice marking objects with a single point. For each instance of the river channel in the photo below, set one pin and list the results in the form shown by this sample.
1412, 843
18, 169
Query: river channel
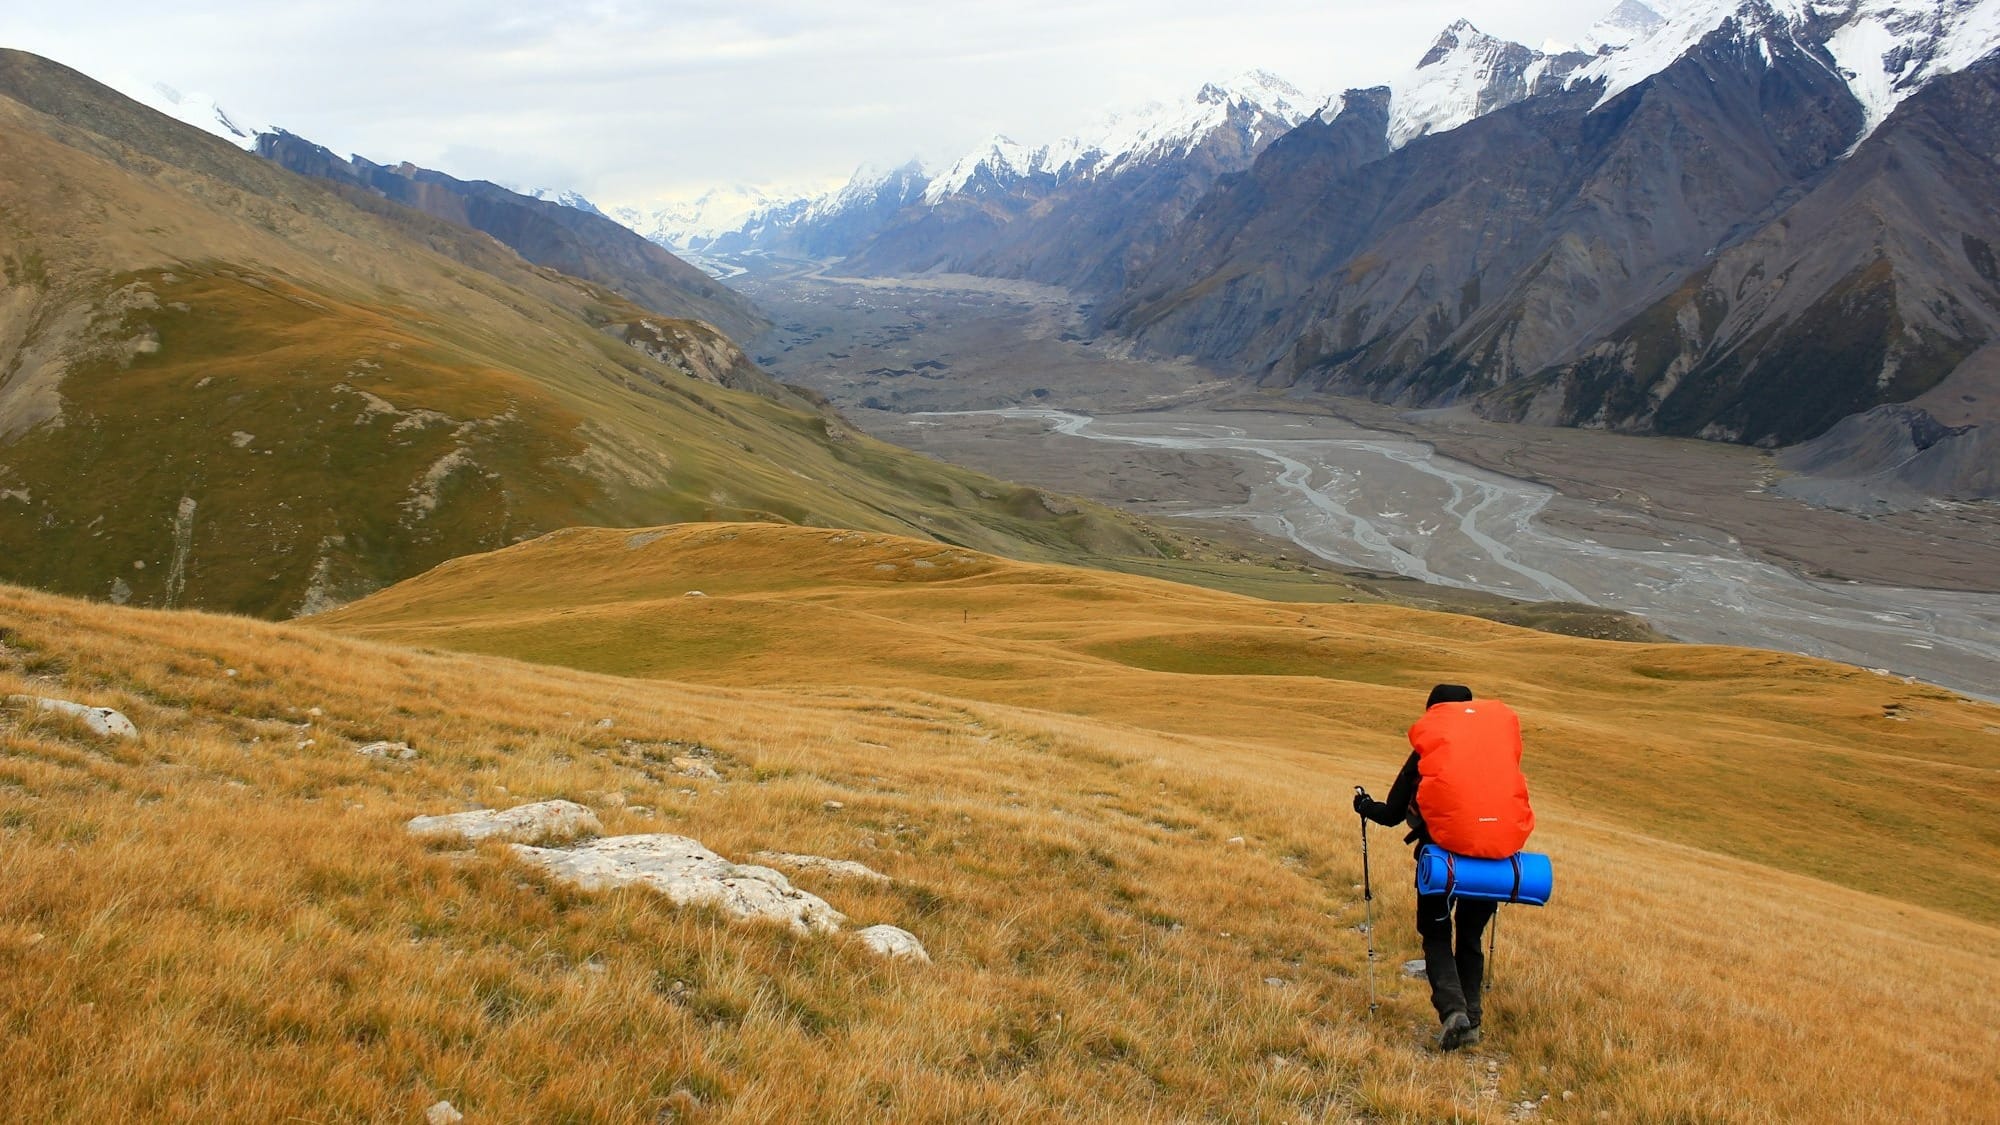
1370, 501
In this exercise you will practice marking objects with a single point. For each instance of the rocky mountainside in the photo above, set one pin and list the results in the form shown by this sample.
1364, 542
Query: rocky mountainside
1741, 222
1736, 219
223, 384
577, 240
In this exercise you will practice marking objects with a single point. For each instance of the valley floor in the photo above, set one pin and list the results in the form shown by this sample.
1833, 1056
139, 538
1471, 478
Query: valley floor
1690, 535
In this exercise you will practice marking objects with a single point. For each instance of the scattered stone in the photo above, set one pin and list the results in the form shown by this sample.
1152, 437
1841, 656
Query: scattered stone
1414, 968
640, 810
606, 724
833, 806
1236, 840
892, 942
837, 868
101, 720
694, 594
230, 672
443, 1113
315, 712
695, 767
688, 874
538, 823
387, 750
1276, 982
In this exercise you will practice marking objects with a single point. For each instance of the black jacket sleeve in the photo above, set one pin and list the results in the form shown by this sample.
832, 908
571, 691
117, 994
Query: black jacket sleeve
1397, 808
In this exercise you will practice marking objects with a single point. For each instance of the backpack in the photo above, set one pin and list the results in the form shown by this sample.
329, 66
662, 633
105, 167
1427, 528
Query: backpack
1472, 794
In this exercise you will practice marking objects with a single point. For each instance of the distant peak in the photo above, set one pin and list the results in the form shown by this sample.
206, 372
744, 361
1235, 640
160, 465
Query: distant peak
1450, 40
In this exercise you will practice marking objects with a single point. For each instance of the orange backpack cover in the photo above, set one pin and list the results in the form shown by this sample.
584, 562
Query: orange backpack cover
1473, 796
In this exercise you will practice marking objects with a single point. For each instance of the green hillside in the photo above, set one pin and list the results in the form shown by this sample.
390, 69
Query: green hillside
282, 396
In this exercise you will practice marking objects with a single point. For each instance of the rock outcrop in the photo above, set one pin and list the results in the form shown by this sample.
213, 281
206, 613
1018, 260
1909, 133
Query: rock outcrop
689, 875
543, 822
101, 720
892, 942
837, 868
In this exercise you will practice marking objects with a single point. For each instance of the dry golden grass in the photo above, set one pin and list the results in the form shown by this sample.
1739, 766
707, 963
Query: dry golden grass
217, 923
1809, 766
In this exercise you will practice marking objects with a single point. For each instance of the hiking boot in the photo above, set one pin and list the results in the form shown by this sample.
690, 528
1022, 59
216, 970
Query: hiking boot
1457, 1032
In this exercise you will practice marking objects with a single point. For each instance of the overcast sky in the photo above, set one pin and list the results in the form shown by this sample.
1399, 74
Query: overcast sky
633, 102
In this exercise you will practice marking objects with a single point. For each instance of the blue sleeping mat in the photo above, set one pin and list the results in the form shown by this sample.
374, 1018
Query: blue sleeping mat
1522, 877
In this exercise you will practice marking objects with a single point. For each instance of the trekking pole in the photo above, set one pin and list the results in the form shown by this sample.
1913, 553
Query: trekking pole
1492, 946
1368, 907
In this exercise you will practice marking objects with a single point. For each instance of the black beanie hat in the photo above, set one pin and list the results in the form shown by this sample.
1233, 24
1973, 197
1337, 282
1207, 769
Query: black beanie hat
1449, 693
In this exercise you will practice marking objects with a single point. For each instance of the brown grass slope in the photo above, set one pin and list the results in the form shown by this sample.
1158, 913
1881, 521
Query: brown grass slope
226, 385
1802, 764
225, 921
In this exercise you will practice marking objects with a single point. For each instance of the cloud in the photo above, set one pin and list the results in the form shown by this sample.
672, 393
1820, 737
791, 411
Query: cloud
634, 101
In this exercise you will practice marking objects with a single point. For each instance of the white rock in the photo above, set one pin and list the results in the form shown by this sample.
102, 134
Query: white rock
892, 942
838, 868
694, 594
443, 1113
834, 806
695, 767
688, 874
100, 720
386, 750
539, 823
1414, 968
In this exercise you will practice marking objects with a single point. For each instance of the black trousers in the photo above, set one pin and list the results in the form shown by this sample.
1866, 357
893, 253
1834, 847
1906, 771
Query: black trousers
1456, 972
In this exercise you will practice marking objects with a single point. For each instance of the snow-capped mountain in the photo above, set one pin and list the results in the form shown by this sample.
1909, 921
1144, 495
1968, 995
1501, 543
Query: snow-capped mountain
564, 198
692, 225
1884, 50
1467, 74
1258, 102
200, 111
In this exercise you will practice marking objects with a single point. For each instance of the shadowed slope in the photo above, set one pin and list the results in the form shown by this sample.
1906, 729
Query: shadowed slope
1805, 764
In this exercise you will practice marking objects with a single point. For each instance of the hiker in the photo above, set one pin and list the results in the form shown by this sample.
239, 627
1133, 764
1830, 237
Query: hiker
1461, 789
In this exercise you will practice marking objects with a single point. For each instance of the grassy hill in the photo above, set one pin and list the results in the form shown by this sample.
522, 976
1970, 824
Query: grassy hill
1808, 765
226, 385
1147, 914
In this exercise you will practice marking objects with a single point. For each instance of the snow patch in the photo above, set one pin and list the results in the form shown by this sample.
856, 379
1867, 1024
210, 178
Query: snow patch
199, 110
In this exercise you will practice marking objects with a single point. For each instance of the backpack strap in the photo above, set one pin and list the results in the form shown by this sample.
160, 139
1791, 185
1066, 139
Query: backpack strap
1515, 894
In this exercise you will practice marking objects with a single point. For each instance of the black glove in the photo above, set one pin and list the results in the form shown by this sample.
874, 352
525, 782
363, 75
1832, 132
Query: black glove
1362, 801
